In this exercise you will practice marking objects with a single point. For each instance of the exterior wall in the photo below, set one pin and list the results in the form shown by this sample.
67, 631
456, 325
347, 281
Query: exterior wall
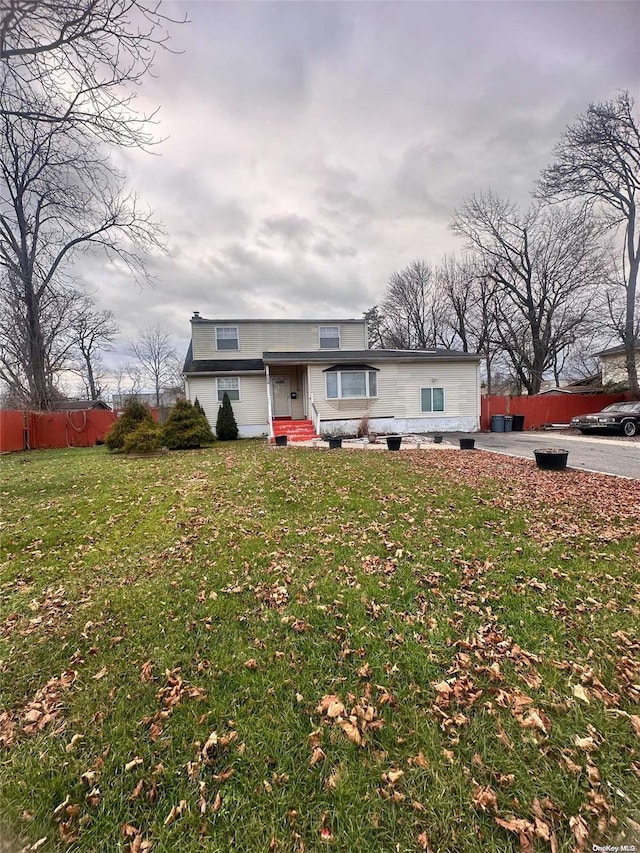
277, 336
250, 411
614, 367
397, 407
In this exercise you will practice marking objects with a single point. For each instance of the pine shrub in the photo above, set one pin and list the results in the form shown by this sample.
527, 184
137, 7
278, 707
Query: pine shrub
226, 426
134, 414
145, 438
186, 427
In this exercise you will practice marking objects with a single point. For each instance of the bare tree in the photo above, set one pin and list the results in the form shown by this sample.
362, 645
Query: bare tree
77, 63
466, 295
92, 331
408, 308
157, 356
598, 160
545, 265
59, 196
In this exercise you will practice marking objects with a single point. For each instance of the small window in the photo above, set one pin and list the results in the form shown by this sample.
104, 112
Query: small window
227, 337
230, 384
432, 399
329, 337
351, 384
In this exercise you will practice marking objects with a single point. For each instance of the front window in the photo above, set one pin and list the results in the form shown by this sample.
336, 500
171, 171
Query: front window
230, 384
432, 399
351, 384
227, 338
329, 337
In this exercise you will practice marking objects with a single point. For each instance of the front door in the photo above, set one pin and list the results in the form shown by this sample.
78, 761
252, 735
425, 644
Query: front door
281, 396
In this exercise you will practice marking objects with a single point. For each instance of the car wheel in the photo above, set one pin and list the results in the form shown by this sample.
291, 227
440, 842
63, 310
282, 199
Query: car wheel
629, 428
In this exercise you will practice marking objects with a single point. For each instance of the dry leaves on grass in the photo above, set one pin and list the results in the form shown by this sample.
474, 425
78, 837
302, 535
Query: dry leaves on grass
360, 718
45, 707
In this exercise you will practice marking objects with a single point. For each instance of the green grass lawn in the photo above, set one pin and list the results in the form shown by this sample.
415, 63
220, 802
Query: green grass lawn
258, 649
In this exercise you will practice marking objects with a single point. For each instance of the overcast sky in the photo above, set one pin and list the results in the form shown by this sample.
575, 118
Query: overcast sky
314, 148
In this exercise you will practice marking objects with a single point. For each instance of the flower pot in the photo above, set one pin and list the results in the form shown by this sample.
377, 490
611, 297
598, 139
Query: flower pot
335, 442
551, 458
437, 439
281, 441
394, 442
467, 443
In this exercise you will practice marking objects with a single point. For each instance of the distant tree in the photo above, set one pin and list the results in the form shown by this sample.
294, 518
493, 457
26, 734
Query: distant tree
92, 331
226, 426
598, 161
186, 427
375, 328
154, 350
408, 308
545, 265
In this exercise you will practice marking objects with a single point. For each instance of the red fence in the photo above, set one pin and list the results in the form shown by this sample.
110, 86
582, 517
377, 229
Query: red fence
44, 430
545, 408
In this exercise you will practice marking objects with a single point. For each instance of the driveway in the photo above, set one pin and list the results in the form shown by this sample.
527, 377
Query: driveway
604, 454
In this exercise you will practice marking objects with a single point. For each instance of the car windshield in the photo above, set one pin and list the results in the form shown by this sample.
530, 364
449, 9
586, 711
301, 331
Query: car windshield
632, 408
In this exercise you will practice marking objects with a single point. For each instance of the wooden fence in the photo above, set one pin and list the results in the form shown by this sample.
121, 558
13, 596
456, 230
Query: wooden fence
44, 430
545, 408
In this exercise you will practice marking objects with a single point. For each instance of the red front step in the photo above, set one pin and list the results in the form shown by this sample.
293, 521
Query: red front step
295, 430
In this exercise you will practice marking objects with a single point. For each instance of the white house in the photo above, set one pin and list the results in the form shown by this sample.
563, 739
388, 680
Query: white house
614, 365
323, 372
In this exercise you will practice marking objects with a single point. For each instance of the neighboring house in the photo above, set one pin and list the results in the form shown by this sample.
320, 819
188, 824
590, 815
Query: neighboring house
614, 370
79, 405
324, 372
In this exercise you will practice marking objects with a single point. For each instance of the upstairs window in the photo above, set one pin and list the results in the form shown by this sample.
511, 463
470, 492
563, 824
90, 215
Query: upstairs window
230, 384
329, 337
227, 338
432, 399
351, 384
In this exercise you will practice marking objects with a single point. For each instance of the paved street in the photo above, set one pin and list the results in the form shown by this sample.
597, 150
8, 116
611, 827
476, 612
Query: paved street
605, 454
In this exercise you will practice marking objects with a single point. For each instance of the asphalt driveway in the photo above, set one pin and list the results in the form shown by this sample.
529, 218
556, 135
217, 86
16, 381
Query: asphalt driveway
604, 454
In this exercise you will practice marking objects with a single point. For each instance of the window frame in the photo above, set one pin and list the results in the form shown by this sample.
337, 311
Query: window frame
227, 349
431, 389
340, 396
321, 338
220, 395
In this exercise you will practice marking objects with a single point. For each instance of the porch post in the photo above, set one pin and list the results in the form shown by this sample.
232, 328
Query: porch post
269, 404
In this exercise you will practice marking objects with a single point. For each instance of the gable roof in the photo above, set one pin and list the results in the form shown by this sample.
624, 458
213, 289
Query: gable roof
221, 365
618, 350
79, 405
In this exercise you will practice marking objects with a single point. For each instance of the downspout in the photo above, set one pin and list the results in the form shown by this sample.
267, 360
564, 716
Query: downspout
269, 405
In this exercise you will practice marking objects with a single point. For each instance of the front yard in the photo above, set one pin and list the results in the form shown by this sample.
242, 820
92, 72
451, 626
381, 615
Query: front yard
295, 650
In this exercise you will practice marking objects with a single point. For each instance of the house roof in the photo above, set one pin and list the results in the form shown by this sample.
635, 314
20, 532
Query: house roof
366, 355
79, 405
333, 321
221, 365
617, 350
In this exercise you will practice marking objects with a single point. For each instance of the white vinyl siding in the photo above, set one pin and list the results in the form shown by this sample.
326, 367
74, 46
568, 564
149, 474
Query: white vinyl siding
250, 411
351, 384
329, 337
230, 385
227, 338
277, 336
432, 400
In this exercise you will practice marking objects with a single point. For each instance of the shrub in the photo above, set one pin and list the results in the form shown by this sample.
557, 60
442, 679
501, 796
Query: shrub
186, 427
226, 426
145, 438
134, 414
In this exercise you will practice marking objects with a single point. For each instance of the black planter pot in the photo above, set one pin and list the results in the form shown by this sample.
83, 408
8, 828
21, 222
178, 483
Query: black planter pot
394, 442
467, 443
551, 458
437, 439
281, 441
335, 443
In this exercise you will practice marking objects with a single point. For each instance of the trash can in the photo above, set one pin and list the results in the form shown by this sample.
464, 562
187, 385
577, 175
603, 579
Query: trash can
508, 423
518, 423
497, 423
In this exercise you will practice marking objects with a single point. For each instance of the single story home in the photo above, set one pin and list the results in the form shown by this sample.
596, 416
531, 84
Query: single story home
614, 367
323, 372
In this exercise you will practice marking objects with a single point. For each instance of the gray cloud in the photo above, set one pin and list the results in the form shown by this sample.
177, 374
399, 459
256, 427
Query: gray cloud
314, 148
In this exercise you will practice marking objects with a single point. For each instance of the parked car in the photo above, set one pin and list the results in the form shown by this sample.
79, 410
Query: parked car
618, 417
